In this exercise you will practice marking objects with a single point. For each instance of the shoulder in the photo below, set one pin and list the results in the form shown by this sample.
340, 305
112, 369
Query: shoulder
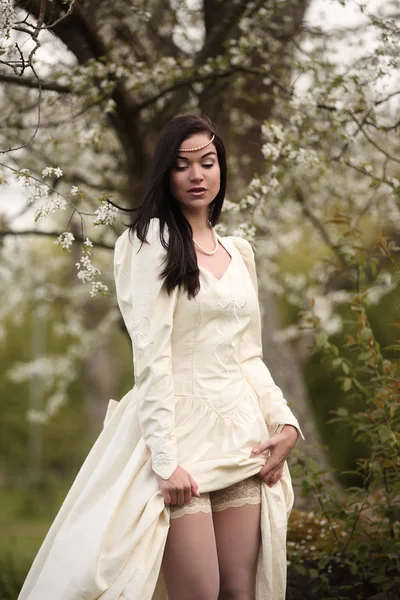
128, 241
130, 237
130, 253
243, 246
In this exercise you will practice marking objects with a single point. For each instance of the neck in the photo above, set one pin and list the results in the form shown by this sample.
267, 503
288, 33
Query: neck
199, 224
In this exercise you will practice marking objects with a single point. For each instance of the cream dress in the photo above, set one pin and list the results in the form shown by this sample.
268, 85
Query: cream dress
203, 398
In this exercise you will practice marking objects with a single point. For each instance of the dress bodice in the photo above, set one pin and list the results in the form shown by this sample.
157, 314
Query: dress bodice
205, 354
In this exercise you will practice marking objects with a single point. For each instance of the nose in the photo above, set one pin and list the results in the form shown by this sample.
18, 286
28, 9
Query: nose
196, 174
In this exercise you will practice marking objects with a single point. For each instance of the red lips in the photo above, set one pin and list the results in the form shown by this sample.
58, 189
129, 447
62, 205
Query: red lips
197, 189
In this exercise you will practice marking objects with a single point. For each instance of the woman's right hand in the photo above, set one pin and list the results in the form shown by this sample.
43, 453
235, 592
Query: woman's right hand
179, 488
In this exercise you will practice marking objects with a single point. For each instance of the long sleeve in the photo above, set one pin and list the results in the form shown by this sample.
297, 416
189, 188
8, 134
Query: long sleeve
148, 312
272, 402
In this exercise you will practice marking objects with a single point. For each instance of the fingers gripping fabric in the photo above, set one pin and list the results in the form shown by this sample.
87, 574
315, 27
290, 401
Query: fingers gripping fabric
244, 492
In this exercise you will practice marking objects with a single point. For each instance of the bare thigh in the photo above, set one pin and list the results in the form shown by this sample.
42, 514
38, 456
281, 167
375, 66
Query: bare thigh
190, 561
238, 536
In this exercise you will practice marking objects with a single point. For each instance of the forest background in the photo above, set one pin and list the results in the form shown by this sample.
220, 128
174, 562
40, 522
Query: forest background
306, 98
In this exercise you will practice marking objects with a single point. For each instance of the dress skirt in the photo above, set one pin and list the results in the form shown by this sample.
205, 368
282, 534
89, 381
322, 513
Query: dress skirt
108, 539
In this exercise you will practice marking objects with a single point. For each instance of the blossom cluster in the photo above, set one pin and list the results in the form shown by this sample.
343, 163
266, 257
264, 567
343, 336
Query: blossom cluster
51, 206
38, 191
88, 273
65, 240
48, 171
105, 214
280, 143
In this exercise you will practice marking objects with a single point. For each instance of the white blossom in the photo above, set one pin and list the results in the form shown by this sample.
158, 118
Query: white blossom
36, 416
98, 288
220, 229
51, 206
74, 190
245, 230
55, 402
52, 171
110, 106
105, 214
46, 368
229, 206
36, 191
90, 137
86, 271
65, 240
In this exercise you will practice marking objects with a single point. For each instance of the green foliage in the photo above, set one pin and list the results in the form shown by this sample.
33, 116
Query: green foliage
12, 575
359, 552
25, 517
64, 442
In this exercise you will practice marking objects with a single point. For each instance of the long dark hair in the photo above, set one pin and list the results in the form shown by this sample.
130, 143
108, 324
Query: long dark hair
181, 262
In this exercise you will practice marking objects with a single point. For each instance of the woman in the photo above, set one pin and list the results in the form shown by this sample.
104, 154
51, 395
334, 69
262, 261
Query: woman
186, 492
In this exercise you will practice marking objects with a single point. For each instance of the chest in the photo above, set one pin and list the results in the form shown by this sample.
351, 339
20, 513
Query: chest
224, 306
216, 264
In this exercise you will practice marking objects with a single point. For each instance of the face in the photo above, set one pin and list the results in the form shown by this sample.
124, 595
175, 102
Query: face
195, 176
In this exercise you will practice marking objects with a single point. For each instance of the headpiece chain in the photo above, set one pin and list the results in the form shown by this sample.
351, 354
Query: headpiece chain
198, 147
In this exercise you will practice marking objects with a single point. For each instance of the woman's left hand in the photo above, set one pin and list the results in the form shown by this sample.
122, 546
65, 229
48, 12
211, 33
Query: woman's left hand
279, 446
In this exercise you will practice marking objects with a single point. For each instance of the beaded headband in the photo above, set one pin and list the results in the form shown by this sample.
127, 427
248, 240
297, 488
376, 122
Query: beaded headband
198, 147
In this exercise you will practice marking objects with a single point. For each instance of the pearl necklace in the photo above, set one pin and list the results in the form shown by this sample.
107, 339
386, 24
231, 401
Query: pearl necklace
203, 250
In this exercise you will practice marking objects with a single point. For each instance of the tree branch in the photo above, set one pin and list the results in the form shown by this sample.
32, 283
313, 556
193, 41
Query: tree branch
209, 77
54, 234
316, 223
371, 141
39, 112
49, 86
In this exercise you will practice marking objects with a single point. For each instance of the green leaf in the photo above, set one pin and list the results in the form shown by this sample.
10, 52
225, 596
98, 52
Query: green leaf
366, 333
321, 339
360, 387
365, 355
323, 562
300, 569
347, 383
379, 579
345, 367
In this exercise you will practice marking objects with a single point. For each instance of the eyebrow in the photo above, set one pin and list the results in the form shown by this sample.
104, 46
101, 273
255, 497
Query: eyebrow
204, 155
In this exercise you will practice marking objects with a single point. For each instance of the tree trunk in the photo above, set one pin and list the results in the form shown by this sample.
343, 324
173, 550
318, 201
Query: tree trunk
99, 384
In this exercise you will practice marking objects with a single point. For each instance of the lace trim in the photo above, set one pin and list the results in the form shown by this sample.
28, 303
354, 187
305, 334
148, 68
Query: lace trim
235, 503
238, 494
201, 504
248, 490
162, 452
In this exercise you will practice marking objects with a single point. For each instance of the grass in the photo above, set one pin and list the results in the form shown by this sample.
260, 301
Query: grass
25, 517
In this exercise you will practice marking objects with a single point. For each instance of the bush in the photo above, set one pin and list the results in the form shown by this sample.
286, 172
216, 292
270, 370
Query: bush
355, 552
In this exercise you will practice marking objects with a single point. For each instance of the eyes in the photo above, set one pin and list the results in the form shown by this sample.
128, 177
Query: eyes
183, 167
